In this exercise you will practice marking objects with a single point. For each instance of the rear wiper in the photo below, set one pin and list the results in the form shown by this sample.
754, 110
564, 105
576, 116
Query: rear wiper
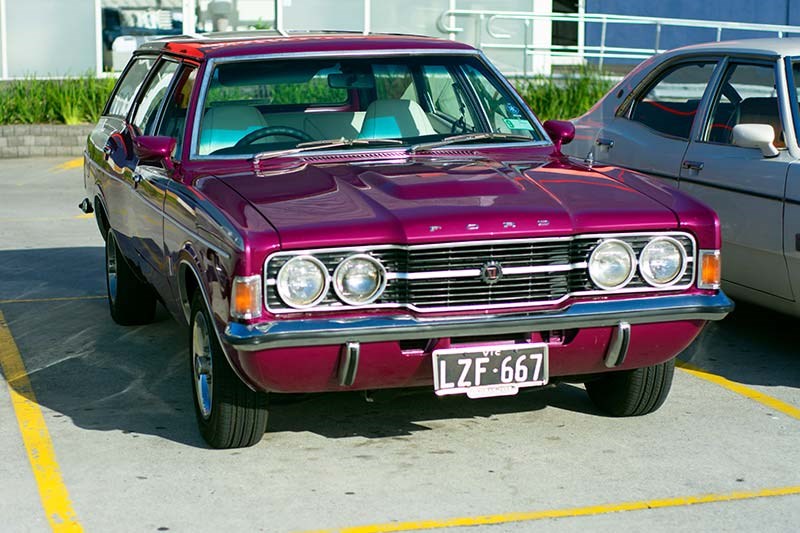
322, 145
466, 138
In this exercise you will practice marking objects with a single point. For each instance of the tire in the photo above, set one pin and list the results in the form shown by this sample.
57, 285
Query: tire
632, 392
131, 301
229, 414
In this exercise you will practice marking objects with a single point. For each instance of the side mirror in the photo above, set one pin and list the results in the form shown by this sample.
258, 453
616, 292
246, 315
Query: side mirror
155, 149
561, 132
760, 136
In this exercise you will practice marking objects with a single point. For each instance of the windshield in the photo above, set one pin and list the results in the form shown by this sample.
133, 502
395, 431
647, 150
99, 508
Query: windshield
262, 106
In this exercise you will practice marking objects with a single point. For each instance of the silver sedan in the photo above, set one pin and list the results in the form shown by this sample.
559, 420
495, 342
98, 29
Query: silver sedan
721, 122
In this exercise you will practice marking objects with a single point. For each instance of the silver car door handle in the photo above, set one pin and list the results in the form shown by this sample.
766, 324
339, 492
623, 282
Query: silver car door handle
609, 143
697, 166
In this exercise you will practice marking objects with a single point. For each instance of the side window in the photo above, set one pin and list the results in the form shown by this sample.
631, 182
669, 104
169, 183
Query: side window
670, 104
746, 95
153, 96
447, 98
129, 85
173, 124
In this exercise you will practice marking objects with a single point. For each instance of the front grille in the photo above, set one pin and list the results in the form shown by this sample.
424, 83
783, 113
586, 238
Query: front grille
449, 276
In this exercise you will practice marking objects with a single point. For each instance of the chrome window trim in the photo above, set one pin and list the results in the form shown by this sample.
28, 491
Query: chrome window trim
269, 282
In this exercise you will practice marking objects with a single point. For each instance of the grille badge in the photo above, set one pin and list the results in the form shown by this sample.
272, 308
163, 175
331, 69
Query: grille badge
491, 272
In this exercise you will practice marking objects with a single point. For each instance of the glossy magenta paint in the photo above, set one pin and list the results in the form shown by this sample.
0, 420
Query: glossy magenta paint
387, 196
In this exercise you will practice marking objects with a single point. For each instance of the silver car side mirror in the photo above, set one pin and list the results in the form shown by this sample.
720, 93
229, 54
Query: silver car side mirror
760, 136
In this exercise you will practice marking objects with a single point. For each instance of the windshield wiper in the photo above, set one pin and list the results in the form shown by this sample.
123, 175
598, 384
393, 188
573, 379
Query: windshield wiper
466, 138
322, 145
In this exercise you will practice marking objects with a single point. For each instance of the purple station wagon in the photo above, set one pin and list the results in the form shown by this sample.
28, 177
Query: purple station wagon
334, 212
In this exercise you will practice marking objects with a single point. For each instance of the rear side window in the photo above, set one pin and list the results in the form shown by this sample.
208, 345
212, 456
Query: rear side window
153, 97
670, 104
129, 85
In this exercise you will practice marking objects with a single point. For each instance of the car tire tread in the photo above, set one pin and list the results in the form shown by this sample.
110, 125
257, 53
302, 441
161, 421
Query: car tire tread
632, 392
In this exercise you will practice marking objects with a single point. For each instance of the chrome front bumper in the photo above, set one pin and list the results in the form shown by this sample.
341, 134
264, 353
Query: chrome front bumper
324, 331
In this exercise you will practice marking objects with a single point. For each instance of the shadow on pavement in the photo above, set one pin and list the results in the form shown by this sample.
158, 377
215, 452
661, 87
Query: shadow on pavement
753, 345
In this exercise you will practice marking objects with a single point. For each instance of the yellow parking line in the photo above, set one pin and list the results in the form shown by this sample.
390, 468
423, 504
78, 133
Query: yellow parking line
738, 388
69, 165
82, 216
41, 300
565, 513
36, 437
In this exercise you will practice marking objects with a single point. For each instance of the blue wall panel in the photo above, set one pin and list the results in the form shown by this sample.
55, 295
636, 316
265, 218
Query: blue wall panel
747, 11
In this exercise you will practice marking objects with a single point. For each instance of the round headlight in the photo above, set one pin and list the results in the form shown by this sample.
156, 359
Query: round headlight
359, 280
662, 261
303, 281
612, 264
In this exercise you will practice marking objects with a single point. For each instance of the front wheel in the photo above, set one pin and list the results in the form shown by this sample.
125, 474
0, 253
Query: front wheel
229, 414
632, 392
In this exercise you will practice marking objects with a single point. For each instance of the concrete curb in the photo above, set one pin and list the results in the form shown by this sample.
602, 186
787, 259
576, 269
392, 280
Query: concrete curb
33, 140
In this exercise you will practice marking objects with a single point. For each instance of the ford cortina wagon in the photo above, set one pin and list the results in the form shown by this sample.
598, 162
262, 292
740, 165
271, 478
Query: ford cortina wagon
338, 212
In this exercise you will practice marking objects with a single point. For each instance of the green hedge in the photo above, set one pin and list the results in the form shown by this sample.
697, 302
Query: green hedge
69, 101
74, 101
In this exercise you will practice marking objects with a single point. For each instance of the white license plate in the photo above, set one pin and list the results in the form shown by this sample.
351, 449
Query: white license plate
485, 371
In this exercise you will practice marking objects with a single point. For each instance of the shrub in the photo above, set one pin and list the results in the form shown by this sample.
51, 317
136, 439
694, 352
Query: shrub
66, 101
563, 97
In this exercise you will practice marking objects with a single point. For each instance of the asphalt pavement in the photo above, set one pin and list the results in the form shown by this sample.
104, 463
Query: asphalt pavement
97, 431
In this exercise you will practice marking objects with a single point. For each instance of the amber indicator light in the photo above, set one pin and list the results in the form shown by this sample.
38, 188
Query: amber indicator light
710, 270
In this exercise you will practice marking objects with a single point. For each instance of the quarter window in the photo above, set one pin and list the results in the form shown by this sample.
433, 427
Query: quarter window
129, 85
173, 123
746, 95
670, 104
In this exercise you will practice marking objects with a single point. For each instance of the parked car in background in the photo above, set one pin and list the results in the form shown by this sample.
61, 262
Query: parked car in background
334, 212
718, 121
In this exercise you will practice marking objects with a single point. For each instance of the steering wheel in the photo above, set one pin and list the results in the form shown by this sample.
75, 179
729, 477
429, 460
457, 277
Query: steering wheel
268, 131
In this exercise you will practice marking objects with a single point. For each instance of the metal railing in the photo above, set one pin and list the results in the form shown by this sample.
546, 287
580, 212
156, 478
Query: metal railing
485, 24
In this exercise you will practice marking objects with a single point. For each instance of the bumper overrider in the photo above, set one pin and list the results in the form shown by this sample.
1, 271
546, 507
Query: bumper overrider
326, 331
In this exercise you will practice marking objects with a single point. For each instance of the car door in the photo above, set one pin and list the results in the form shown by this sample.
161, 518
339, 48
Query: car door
791, 222
149, 182
111, 153
742, 185
650, 131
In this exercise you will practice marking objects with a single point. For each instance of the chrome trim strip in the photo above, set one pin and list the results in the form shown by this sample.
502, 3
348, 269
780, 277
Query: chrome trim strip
475, 272
332, 331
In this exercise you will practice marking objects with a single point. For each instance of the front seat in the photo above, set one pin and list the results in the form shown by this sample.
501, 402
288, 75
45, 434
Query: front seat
224, 125
394, 119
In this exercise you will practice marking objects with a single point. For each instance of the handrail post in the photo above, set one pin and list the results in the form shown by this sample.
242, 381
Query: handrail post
525, 48
602, 42
658, 37
719, 33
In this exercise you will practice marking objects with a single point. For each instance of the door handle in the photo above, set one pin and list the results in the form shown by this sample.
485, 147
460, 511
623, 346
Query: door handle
697, 166
137, 179
608, 143
106, 152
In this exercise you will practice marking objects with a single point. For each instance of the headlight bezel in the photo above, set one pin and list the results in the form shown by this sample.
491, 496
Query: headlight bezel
631, 273
648, 278
326, 285
335, 281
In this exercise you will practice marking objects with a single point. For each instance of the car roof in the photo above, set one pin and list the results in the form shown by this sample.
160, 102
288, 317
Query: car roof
232, 44
786, 46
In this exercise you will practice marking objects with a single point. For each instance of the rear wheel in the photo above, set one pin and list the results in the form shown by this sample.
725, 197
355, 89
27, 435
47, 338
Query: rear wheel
229, 414
632, 392
130, 300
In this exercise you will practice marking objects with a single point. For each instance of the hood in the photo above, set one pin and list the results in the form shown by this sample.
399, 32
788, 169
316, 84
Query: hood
433, 199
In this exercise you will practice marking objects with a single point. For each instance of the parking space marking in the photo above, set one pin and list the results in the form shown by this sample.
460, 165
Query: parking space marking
36, 438
594, 510
69, 165
738, 388
44, 300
